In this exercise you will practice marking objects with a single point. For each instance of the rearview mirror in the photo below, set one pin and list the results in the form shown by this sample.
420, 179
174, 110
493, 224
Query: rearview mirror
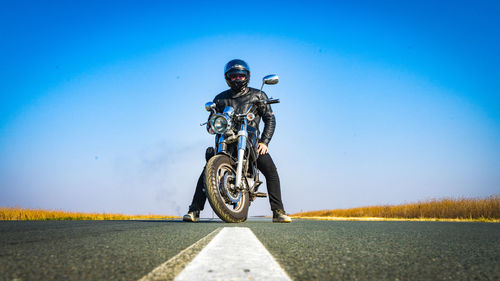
270, 79
209, 106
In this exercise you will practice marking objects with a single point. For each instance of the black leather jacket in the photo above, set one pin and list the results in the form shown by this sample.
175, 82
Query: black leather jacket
241, 103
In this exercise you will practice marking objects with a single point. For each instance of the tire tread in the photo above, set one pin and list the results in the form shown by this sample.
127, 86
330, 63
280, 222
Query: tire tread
212, 191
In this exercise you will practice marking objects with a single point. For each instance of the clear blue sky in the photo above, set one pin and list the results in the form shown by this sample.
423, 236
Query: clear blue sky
383, 102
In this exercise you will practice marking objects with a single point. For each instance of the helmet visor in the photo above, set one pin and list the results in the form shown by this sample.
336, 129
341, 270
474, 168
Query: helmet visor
237, 74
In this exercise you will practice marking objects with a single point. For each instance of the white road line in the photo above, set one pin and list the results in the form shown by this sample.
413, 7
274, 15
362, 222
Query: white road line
234, 254
169, 269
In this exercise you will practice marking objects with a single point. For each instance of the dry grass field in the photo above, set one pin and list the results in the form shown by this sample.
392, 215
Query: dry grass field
475, 209
38, 214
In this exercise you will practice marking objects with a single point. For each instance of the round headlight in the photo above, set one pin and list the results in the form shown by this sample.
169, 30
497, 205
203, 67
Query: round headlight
219, 124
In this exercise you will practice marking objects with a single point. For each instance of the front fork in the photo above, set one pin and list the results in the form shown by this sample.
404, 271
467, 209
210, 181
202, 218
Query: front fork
242, 145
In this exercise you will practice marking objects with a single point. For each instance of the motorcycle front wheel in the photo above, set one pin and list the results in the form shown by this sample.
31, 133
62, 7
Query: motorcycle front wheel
230, 204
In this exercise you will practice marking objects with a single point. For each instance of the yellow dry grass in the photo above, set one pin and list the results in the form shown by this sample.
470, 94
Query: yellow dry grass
473, 209
14, 213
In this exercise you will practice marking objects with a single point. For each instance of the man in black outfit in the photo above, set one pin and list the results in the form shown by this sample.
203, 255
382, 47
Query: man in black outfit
237, 75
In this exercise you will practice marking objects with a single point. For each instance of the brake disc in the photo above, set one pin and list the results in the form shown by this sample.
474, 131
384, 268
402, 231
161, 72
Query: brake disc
229, 192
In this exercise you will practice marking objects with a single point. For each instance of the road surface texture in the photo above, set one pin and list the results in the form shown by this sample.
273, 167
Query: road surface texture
306, 250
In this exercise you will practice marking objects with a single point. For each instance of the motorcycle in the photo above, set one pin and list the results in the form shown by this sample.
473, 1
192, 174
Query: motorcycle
231, 175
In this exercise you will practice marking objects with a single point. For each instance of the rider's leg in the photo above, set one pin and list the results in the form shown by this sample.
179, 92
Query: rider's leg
199, 197
198, 202
266, 165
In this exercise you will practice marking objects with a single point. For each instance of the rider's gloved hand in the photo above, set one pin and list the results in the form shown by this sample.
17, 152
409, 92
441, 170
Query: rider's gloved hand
262, 149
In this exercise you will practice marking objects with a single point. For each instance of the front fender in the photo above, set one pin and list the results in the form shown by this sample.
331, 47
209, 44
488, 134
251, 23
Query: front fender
227, 154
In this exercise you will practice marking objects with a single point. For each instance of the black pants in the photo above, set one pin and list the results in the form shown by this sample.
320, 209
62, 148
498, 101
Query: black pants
266, 165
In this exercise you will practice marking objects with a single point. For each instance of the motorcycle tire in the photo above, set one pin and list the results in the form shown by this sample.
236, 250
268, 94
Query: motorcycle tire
218, 167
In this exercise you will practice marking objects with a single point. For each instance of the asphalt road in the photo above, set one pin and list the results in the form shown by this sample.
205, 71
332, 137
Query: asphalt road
307, 250
316, 250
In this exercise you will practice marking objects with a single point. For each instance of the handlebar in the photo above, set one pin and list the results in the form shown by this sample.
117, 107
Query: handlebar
271, 101
268, 101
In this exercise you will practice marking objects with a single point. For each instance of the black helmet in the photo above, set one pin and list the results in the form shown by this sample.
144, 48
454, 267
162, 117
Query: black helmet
237, 68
